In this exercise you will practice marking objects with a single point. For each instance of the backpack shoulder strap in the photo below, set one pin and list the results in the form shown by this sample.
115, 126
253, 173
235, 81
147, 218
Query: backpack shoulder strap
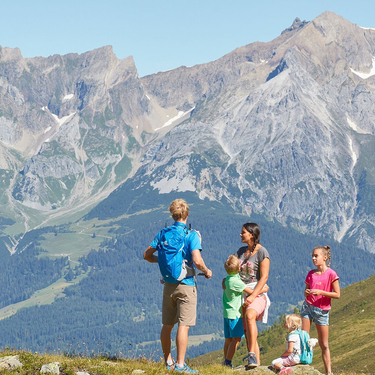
302, 335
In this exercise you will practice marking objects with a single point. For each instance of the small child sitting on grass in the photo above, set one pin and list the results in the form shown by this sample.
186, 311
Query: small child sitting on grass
292, 354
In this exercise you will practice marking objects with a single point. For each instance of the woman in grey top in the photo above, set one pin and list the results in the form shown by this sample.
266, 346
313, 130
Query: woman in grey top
255, 265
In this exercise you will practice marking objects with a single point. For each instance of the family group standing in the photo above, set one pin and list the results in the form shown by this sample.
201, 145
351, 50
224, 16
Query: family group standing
245, 299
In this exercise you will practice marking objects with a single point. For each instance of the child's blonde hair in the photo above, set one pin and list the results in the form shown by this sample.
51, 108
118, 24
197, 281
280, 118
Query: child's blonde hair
293, 322
232, 264
179, 209
326, 251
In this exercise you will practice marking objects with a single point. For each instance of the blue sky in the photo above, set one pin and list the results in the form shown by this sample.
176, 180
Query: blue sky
159, 34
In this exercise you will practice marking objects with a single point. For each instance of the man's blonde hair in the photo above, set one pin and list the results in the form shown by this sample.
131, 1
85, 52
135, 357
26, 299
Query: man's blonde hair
232, 264
293, 322
179, 209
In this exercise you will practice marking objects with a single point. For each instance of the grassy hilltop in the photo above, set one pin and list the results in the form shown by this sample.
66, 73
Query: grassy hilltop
352, 334
352, 343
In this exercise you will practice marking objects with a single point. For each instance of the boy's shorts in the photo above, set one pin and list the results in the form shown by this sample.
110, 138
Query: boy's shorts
317, 315
233, 328
179, 304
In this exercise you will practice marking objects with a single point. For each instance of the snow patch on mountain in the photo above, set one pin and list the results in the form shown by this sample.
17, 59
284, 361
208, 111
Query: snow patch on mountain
180, 116
68, 97
356, 128
366, 75
61, 121
352, 153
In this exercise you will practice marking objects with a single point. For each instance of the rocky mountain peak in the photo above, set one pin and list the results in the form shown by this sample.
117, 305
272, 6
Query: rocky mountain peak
9, 54
297, 24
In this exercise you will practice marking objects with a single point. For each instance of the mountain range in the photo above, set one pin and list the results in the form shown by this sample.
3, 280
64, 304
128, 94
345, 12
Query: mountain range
284, 129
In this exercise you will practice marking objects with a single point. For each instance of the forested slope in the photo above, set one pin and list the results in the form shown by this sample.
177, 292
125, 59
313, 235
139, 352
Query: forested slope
117, 306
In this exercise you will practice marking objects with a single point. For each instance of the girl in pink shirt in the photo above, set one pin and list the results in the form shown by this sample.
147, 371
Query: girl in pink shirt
322, 284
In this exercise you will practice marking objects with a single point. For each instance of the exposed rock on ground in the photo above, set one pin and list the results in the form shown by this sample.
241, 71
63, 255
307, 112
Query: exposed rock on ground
299, 369
10, 362
50, 368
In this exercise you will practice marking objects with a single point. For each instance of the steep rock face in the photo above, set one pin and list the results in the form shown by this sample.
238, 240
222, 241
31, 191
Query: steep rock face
75, 122
292, 137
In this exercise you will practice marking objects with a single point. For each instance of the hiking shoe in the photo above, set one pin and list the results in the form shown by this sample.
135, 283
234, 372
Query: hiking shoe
186, 369
227, 364
285, 370
170, 367
251, 361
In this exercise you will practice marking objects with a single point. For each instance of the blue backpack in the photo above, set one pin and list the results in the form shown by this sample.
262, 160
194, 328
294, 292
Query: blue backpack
306, 356
171, 254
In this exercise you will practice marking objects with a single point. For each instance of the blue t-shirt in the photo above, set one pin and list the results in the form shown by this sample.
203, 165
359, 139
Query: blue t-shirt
192, 242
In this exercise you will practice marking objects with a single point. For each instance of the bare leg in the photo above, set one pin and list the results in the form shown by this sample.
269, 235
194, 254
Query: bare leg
252, 333
306, 324
323, 332
181, 343
227, 343
277, 366
232, 347
257, 352
165, 338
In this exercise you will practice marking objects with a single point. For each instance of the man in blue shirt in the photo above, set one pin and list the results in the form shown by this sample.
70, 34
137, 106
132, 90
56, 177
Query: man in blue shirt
179, 297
